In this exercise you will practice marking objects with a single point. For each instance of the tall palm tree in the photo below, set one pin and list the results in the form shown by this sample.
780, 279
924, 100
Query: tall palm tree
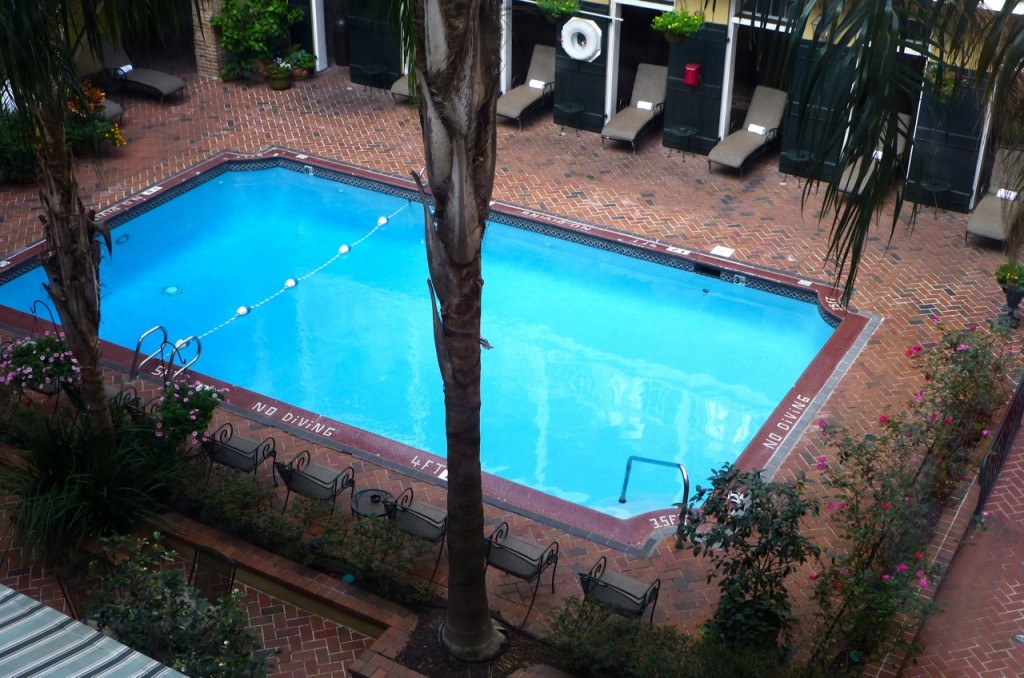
456, 61
38, 41
864, 43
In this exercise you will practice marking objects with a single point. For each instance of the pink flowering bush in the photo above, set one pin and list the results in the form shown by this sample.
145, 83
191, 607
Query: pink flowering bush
184, 411
890, 484
41, 362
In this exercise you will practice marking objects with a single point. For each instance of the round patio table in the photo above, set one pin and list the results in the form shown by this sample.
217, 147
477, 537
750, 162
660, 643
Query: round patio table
371, 502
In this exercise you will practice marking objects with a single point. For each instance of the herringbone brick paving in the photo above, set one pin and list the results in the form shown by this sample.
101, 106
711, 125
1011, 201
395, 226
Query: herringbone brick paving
675, 199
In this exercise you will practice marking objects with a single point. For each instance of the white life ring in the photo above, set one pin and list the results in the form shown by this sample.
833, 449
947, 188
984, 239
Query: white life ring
581, 39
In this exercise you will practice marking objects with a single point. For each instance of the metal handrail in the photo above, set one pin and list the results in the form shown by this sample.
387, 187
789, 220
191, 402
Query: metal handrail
176, 351
136, 363
660, 462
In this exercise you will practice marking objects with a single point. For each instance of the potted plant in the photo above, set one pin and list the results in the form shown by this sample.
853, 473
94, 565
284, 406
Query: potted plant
678, 24
1010, 277
754, 544
40, 363
185, 410
303, 64
943, 81
554, 10
279, 74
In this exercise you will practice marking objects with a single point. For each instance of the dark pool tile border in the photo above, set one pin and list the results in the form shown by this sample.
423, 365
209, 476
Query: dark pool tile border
638, 535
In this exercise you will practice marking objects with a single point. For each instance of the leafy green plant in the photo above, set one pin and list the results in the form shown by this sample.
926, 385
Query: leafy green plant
1011, 274
591, 641
556, 9
891, 483
754, 544
185, 409
71, 487
19, 159
943, 81
87, 127
42, 361
252, 31
300, 58
147, 605
678, 22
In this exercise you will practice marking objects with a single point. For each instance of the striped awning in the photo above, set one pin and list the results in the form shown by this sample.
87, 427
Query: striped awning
36, 640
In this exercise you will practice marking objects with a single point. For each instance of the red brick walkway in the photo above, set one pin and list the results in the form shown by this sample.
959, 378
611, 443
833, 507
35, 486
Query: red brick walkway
674, 199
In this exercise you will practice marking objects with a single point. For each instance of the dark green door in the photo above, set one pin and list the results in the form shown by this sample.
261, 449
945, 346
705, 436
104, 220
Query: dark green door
697, 107
805, 124
374, 49
579, 86
947, 144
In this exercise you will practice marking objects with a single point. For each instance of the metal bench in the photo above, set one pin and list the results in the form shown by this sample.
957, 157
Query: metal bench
521, 558
313, 480
224, 447
617, 592
420, 520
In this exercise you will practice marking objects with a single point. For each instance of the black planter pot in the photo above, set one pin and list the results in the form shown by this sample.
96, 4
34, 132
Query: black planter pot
1013, 299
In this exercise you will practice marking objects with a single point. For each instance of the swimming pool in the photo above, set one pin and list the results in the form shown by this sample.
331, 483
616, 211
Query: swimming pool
602, 349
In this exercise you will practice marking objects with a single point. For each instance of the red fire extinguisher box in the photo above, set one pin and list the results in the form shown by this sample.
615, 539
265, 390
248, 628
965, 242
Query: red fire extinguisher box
691, 75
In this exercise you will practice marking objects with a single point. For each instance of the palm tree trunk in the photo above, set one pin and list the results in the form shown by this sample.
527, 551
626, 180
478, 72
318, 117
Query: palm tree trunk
72, 261
456, 64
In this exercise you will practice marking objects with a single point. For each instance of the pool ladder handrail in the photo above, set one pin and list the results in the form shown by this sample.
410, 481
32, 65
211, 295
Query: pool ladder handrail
166, 353
683, 513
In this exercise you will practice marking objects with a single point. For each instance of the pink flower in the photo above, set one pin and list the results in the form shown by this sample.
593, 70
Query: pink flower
830, 506
837, 585
947, 420
883, 419
984, 433
962, 347
822, 423
886, 506
934, 318
935, 416
813, 577
886, 577
923, 583
842, 505
902, 567
972, 327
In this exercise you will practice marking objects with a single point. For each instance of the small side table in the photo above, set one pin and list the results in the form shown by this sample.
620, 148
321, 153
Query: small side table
371, 503
680, 135
799, 158
571, 114
936, 187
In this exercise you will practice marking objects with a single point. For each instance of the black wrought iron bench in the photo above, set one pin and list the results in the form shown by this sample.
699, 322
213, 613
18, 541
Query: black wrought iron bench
617, 592
242, 454
313, 480
420, 520
523, 559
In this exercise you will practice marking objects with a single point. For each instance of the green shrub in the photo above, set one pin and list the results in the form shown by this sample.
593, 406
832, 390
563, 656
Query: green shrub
72, 488
19, 160
147, 605
590, 642
41, 361
251, 31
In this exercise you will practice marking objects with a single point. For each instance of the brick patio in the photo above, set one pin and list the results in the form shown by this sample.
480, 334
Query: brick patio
672, 199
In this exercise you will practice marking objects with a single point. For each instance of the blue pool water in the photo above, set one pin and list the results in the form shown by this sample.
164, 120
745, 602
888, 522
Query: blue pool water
596, 356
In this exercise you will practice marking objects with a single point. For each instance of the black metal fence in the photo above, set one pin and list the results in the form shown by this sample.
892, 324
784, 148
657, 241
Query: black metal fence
1002, 442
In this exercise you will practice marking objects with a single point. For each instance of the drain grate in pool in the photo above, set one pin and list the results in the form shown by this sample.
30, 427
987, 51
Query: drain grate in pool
1018, 638
172, 290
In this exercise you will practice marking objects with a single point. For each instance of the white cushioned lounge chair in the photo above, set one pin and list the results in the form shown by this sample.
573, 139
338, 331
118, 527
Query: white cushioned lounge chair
538, 89
645, 106
857, 175
988, 218
760, 129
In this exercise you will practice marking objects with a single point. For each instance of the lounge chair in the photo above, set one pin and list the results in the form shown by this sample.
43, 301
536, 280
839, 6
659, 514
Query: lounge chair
988, 218
538, 89
645, 106
760, 128
146, 81
856, 175
400, 88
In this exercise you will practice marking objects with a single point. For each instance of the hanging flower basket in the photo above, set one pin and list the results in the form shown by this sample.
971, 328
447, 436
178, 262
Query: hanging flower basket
556, 10
677, 26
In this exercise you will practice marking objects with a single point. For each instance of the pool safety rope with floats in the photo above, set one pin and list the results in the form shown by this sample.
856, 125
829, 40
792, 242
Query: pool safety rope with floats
292, 282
